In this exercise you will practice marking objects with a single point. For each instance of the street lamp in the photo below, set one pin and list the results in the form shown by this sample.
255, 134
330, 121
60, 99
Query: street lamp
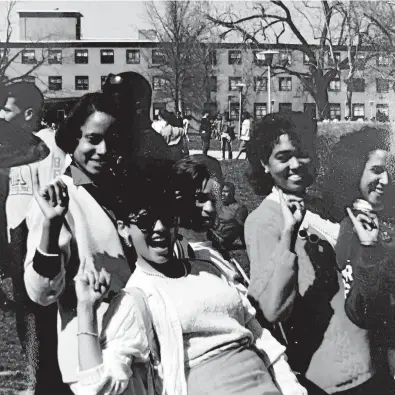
230, 97
240, 87
267, 56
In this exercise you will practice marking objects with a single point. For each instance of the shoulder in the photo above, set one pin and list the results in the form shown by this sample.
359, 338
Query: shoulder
268, 214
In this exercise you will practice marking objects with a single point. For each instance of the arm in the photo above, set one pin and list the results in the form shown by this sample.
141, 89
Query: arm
273, 354
273, 266
106, 367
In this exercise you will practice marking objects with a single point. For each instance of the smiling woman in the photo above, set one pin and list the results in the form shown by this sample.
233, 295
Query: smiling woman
71, 221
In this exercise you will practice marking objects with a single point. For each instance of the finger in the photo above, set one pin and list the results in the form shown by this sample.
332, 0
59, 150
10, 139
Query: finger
96, 279
58, 194
366, 221
107, 277
50, 191
91, 278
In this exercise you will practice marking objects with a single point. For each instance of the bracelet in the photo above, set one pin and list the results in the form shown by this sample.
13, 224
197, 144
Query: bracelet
87, 333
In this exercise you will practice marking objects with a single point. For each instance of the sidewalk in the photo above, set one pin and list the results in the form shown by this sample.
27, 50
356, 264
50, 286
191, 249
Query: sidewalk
217, 154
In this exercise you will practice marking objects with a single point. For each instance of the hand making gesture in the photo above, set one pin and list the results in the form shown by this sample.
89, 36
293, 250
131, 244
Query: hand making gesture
53, 199
91, 286
366, 226
293, 212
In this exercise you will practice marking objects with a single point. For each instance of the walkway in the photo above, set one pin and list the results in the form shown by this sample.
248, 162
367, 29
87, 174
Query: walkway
217, 154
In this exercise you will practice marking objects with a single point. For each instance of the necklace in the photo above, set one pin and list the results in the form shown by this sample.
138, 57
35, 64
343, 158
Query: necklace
163, 276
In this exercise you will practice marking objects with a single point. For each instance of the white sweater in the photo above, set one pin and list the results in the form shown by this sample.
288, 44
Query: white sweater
89, 234
127, 343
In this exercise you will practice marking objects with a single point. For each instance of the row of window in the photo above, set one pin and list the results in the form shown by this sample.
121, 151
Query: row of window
260, 109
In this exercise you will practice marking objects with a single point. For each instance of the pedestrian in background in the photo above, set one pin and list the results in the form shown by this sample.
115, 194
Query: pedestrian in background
245, 133
205, 133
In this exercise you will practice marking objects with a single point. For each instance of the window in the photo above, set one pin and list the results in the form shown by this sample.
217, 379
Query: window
210, 107
81, 83
266, 59
285, 84
260, 110
358, 110
335, 60
132, 56
382, 112
334, 111
29, 56
285, 58
212, 57
234, 111
107, 56
55, 83
306, 59
360, 61
212, 83
81, 56
334, 85
102, 80
383, 60
382, 85
357, 85
284, 107
234, 57
60, 115
260, 84
233, 81
158, 84
55, 56
158, 57
310, 109
157, 106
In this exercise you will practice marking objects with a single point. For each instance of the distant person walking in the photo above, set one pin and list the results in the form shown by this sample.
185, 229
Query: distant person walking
245, 133
205, 133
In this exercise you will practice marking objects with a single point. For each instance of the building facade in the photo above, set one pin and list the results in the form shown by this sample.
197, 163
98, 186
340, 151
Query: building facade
66, 66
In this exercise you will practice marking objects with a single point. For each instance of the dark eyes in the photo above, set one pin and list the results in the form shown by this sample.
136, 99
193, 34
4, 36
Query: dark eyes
202, 197
378, 169
95, 140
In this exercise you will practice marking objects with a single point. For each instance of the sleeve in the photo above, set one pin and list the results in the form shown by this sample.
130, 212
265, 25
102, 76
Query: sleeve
124, 345
272, 265
44, 275
273, 354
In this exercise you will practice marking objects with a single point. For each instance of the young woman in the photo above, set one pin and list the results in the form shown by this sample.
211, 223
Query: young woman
72, 221
209, 339
294, 280
356, 189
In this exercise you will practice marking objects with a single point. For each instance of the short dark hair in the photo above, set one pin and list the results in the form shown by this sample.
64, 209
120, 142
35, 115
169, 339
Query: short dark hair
230, 185
301, 129
70, 130
348, 158
26, 95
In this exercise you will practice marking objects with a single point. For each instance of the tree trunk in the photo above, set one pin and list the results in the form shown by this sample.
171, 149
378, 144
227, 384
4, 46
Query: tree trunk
348, 113
320, 94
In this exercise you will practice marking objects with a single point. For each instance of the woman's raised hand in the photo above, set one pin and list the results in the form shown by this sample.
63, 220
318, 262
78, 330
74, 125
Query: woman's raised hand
366, 226
91, 286
293, 212
53, 199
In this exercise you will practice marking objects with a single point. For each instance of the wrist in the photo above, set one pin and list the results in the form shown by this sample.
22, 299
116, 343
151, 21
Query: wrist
53, 224
86, 308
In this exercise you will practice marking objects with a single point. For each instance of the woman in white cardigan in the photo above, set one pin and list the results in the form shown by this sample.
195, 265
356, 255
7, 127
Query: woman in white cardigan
204, 327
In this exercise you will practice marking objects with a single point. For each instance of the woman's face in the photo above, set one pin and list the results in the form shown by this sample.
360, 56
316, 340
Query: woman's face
291, 169
374, 178
154, 238
92, 149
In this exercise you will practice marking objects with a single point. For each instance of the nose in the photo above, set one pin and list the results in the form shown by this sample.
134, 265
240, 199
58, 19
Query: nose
384, 178
101, 148
159, 227
294, 163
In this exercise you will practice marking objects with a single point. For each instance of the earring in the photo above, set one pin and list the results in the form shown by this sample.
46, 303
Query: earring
266, 171
127, 242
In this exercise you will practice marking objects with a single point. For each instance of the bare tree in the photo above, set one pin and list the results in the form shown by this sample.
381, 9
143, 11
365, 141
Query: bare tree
186, 61
9, 56
326, 25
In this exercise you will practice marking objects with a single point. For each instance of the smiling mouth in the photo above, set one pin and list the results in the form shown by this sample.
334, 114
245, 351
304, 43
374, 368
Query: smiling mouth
160, 243
295, 177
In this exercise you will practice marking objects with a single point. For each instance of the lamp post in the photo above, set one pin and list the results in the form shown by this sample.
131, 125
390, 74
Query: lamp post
230, 97
240, 87
267, 56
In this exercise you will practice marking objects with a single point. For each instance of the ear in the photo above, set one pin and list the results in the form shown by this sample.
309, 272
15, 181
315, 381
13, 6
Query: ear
264, 166
29, 114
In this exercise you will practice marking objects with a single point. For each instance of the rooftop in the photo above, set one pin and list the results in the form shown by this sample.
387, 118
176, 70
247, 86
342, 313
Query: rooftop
48, 13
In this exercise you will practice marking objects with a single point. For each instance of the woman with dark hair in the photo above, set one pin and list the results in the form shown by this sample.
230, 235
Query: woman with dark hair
294, 278
71, 221
204, 328
357, 185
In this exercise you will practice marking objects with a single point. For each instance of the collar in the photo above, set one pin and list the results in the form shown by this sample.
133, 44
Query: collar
275, 196
79, 177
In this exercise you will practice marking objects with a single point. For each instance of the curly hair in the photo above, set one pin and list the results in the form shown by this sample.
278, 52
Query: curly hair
301, 129
348, 158
70, 130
